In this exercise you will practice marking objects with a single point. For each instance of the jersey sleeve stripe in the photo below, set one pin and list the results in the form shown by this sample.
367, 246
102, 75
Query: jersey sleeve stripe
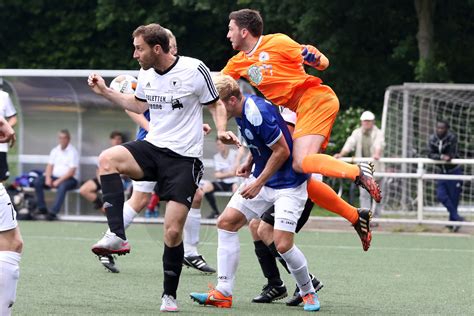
275, 140
140, 99
207, 103
207, 77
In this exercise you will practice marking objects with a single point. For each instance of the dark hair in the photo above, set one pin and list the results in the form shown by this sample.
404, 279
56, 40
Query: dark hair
65, 132
153, 34
114, 134
446, 123
248, 19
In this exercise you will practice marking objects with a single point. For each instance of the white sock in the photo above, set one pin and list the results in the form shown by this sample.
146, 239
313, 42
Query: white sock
9, 274
228, 255
191, 232
128, 215
298, 267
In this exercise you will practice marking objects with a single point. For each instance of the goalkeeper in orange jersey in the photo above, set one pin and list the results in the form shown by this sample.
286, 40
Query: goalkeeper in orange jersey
274, 65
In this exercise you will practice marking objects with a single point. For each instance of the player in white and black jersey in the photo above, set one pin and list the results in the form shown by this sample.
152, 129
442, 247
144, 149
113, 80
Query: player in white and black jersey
174, 89
11, 243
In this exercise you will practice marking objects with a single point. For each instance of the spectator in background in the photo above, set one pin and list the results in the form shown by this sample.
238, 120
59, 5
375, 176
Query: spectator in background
443, 145
7, 111
366, 141
226, 162
90, 189
60, 174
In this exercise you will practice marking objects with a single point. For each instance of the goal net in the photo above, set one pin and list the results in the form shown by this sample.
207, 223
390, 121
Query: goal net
409, 118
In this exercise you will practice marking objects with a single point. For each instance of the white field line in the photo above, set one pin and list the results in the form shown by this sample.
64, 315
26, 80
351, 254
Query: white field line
373, 248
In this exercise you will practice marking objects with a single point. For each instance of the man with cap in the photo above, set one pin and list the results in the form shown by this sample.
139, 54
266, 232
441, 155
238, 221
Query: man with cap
366, 141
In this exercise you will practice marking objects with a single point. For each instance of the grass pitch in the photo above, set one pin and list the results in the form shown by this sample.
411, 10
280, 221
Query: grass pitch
405, 274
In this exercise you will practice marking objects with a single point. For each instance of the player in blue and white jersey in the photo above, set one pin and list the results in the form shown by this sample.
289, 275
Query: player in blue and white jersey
272, 182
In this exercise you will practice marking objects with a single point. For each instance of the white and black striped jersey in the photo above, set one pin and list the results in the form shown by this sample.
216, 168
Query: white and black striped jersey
175, 98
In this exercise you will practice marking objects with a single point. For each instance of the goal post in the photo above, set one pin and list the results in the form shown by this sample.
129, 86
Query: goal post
409, 117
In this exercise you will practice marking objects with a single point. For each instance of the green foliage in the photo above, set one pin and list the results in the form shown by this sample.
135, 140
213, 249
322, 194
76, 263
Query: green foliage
370, 44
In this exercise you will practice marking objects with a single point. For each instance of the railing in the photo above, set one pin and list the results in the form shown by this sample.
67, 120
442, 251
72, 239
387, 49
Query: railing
420, 175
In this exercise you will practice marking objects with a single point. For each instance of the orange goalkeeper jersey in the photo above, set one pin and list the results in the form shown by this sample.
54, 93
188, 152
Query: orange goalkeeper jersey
274, 67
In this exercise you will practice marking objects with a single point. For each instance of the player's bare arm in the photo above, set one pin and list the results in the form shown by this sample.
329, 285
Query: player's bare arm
245, 168
280, 154
139, 119
7, 134
219, 115
126, 101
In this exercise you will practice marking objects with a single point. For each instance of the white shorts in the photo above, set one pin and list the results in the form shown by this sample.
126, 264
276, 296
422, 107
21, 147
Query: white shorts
7, 212
143, 186
289, 204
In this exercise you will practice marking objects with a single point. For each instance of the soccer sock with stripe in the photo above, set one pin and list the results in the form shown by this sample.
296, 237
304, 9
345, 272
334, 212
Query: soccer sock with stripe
299, 269
324, 196
330, 167
112, 189
172, 266
9, 274
267, 263
228, 255
191, 232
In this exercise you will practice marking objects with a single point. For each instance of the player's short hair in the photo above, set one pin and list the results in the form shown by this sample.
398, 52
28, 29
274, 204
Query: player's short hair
227, 87
248, 19
171, 37
153, 34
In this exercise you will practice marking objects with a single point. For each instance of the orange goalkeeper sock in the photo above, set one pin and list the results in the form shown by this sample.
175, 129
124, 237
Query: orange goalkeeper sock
324, 196
330, 167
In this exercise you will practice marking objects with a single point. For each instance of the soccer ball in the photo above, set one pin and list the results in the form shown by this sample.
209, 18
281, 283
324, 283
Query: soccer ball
124, 84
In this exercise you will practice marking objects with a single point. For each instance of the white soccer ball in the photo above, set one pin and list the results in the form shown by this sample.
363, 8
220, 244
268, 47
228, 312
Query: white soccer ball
124, 84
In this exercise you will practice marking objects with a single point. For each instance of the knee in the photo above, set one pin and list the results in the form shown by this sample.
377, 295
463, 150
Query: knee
297, 164
172, 235
224, 223
283, 245
106, 161
198, 197
253, 226
265, 232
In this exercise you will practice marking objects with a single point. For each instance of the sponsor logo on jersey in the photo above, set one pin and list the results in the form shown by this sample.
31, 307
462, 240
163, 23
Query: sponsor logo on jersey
263, 56
175, 83
148, 85
255, 75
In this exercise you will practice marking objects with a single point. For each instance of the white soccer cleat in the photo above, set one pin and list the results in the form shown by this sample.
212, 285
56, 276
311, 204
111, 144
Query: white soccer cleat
168, 304
111, 244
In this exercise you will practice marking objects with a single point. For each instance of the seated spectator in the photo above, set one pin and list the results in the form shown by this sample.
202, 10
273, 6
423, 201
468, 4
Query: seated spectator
226, 162
90, 190
60, 174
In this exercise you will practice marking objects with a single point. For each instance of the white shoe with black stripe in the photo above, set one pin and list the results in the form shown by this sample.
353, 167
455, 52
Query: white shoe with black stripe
198, 263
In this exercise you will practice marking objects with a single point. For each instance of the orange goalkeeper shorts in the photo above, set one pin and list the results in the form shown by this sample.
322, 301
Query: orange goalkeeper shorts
316, 113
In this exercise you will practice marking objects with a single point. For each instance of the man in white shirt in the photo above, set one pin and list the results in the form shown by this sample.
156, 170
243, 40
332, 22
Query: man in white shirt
7, 111
60, 174
226, 161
